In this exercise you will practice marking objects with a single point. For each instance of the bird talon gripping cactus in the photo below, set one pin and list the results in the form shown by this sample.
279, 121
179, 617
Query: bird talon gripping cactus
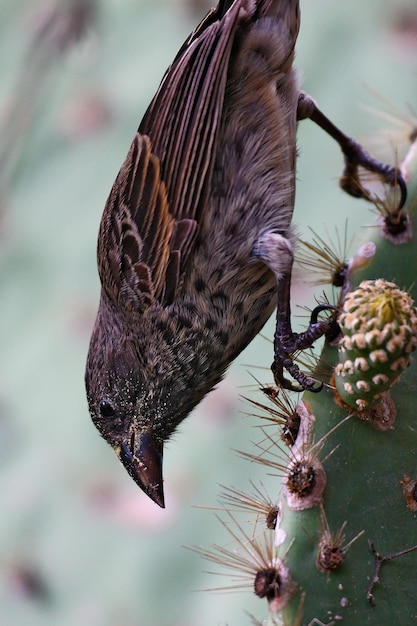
195, 243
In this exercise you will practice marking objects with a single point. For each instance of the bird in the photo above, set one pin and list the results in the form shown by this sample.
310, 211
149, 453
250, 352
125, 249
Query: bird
195, 245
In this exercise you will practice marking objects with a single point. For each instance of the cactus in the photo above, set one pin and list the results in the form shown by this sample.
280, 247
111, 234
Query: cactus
341, 541
371, 475
79, 544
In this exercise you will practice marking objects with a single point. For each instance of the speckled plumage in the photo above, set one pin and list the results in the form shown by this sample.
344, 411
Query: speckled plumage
185, 282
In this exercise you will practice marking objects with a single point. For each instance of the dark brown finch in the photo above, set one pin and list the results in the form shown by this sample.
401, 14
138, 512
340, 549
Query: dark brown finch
194, 248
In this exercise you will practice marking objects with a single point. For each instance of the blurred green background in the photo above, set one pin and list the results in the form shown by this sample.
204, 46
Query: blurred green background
79, 543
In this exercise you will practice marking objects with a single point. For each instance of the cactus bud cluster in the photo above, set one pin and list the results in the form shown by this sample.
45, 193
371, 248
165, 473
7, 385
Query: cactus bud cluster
379, 326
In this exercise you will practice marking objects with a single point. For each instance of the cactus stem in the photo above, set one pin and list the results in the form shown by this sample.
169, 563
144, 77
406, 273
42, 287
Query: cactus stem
379, 562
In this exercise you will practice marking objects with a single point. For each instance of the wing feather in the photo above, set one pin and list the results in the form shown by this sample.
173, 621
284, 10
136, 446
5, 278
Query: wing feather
135, 231
183, 118
151, 218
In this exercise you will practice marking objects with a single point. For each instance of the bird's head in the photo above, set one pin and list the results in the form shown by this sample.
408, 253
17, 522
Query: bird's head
124, 407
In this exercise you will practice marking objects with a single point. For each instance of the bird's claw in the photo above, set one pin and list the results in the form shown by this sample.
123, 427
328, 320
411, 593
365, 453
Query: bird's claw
286, 344
355, 157
306, 383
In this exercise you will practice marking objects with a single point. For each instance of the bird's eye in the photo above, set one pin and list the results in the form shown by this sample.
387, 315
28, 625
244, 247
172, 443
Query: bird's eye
106, 409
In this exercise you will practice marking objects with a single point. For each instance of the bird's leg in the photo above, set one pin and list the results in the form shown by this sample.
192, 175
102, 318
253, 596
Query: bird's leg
355, 155
275, 251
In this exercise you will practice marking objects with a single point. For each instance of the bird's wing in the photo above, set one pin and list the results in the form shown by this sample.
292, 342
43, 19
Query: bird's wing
151, 218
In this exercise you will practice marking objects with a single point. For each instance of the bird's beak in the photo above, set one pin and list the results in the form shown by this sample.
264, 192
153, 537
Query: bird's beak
142, 458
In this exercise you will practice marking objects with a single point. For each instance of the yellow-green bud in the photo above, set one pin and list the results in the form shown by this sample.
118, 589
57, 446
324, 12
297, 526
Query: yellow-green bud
379, 326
